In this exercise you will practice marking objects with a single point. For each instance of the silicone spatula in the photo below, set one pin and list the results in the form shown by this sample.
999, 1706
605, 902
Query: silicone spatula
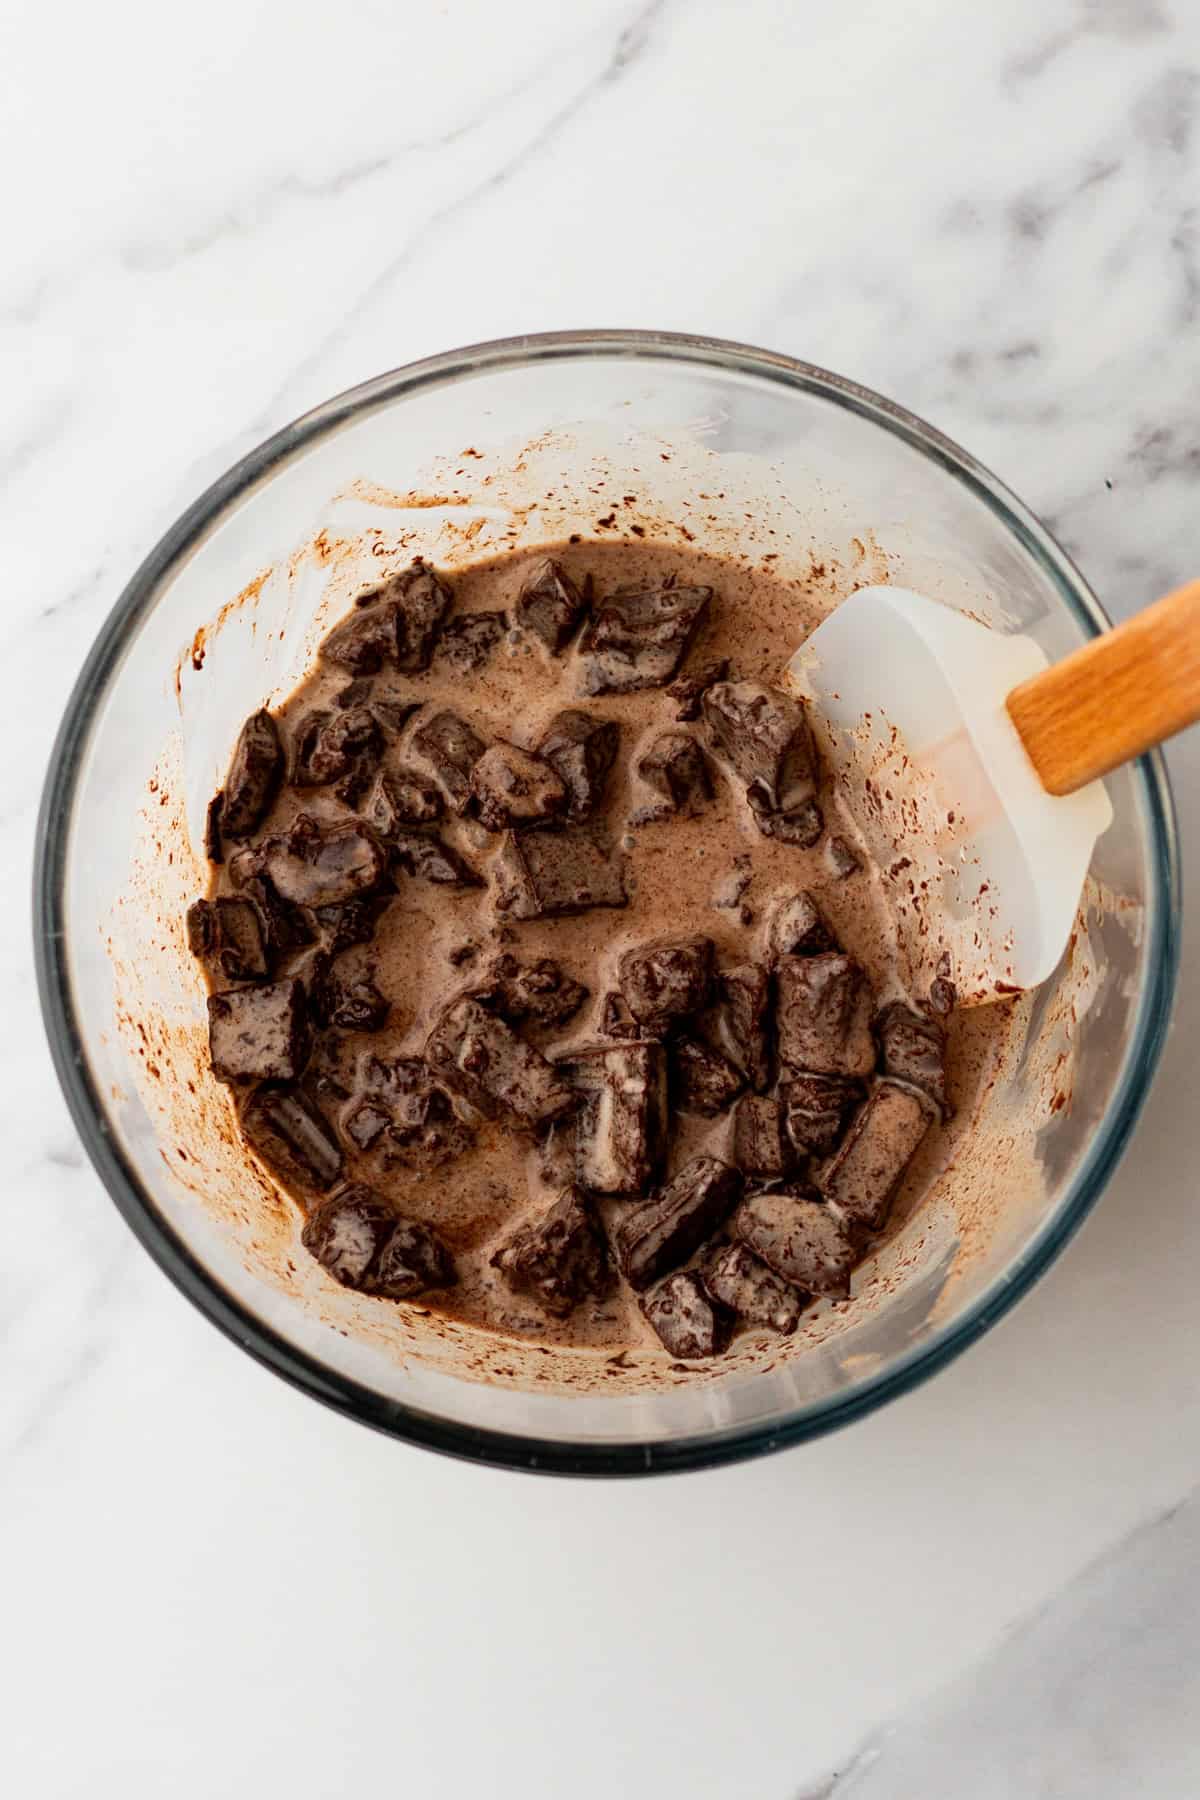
973, 767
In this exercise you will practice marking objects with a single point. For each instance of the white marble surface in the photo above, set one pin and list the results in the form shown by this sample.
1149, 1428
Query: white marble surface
211, 1586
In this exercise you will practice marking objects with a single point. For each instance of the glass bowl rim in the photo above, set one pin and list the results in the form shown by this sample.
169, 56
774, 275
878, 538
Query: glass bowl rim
236, 1320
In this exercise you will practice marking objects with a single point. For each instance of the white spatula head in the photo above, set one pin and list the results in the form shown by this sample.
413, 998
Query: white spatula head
978, 863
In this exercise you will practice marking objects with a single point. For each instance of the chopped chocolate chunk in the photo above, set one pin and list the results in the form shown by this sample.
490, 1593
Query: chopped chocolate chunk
841, 859
581, 750
675, 767
330, 744
760, 1143
553, 871
746, 1286
422, 602
258, 1033
212, 828
480, 1057
802, 827
354, 1003
824, 1010
740, 1021
399, 800
703, 1081
514, 788
347, 1232
765, 737
799, 1237
881, 1143
368, 638
312, 865
616, 1020
666, 979
639, 640
451, 748
289, 1135
360, 1240
653, 1238
229, 938
538, 991
254, 776
912, 1048
402, 1112
429, 858
689, 690
467, 643
621, 1128
685, 1317
351, 922
943, 996
797, 928
286, 927
413, 1261
550, 605
816, 1109
560, 1258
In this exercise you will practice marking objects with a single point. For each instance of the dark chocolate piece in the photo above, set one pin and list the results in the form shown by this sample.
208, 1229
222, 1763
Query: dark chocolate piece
399, 800
666, 979
675, 767
882, 1141
468, 643
330, 744
422, 602
403, 1113
581, 750
912, 1048
740, 1021
842, 860
290, 1137
760, 1143
538, 991
254, 776
229, 938
686, 1317
802, 827
258, 1033
413, 1261
429, 858
352, 1002
355, 1234
514, 788
550, 605
313, 865
212, 828
799, 1237
347, 1233
745, 1286
655, 1237
551, 872
639, 640
764, 736
702, 1080
286, 927
350, 922
797, 928
480, 1057
451, 748
690, 689
616, 1020
816, 1109
368, 638
621, 1127
823, 1015
559, 1258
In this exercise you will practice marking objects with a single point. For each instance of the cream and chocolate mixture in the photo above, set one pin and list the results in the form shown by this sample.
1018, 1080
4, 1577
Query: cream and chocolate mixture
547, 981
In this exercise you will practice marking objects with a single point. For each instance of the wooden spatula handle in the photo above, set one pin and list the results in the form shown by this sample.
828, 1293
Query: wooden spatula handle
1121, 694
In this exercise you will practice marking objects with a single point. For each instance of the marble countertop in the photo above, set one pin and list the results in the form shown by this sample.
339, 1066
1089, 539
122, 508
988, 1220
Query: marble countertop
211, 1585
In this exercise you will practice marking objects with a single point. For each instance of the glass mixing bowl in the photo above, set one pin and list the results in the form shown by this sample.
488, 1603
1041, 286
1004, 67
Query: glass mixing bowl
754, 443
